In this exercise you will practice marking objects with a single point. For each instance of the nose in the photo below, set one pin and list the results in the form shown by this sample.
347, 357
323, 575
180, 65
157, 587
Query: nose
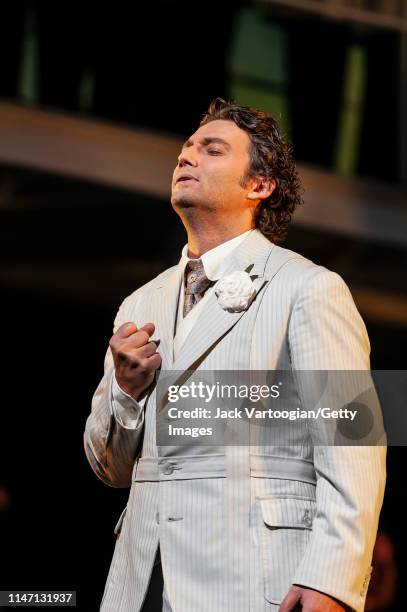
186, 158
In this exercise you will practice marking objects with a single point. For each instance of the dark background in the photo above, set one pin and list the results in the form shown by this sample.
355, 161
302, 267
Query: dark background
70, 258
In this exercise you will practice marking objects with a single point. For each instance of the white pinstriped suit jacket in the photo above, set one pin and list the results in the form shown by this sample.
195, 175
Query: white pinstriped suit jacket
236, 536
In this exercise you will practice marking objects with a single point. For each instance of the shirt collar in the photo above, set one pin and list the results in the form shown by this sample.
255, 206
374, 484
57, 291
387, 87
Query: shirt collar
214, 261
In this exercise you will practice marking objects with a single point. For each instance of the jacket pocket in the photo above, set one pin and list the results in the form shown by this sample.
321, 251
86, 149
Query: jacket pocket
285, 529
119, 523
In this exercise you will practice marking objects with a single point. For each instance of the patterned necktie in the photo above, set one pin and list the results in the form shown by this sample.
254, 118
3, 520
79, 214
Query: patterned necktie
196, 283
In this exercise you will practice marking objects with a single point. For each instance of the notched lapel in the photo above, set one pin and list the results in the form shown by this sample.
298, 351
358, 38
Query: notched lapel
211, 326
165, 309
214, 322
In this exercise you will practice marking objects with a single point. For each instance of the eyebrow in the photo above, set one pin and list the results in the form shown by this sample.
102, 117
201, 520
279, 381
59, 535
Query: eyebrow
207, 141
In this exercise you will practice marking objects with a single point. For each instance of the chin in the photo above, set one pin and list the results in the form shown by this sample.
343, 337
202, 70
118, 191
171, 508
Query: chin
182, 202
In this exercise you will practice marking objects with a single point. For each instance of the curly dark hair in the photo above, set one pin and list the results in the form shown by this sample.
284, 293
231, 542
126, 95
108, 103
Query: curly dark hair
270, 157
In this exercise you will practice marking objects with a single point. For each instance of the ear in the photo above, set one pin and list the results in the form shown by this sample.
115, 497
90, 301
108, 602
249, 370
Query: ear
261, 188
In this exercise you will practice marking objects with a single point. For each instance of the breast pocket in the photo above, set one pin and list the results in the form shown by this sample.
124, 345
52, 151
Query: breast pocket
285, 529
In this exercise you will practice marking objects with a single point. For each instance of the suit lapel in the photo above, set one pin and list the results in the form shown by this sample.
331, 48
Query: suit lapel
214, 322
210, 327
165, 302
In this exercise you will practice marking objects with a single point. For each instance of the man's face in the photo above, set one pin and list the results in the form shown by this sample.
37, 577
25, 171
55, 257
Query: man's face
211, 168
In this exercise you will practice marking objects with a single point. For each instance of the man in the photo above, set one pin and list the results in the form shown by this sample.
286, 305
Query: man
242, 528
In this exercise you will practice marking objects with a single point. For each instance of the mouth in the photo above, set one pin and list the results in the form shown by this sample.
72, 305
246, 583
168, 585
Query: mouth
185, 178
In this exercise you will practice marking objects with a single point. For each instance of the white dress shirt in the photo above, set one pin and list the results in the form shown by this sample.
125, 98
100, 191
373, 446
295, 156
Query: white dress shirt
126, 409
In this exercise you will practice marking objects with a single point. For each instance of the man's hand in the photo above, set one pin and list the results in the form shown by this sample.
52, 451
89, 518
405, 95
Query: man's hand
303, 599
135, 358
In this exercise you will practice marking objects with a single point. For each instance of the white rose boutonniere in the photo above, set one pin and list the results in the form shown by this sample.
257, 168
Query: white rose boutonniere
236, 291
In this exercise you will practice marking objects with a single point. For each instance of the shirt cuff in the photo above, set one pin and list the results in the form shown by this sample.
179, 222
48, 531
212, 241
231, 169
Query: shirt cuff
126, 410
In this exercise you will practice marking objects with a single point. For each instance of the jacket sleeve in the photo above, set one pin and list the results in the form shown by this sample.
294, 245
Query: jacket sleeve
114, 427
327, 333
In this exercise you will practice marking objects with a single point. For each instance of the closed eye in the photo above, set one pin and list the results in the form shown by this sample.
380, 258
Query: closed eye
214, 152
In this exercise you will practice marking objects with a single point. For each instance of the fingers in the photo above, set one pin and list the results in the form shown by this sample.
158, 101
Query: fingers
129, 336
149, 328
145, 360
132, 348
154, 361
125, 330
129, 328
135, 341
291, 601
148, 350
135, 357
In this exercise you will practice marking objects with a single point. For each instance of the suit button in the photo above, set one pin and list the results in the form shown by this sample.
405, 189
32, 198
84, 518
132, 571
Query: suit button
306, 519
169, 468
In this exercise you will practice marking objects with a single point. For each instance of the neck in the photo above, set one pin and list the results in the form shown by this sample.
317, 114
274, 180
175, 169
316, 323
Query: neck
204, 236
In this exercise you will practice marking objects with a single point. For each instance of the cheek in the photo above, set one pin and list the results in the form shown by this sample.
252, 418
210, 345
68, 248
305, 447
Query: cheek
217, 185
224, 181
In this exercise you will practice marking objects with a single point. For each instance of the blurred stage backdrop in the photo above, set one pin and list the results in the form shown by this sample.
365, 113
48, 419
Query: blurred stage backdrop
94, 106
